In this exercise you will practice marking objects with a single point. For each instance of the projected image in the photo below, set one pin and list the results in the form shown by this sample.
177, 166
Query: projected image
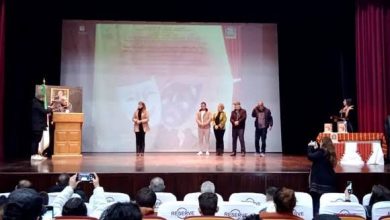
172, 68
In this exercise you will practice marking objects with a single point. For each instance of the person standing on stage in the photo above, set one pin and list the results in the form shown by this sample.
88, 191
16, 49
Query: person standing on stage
219, 119
141, 126
237, 118
347, 114
38, 123
203, 119
263, 123
322, 174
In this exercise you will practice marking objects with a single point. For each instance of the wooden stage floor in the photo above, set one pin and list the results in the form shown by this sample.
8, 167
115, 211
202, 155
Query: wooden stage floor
177, 163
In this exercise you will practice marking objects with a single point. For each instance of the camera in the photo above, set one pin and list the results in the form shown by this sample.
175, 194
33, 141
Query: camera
349, 187
85, 177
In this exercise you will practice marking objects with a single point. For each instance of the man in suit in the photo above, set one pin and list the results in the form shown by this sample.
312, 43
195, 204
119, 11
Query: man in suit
38, 123
263, 123
237, 118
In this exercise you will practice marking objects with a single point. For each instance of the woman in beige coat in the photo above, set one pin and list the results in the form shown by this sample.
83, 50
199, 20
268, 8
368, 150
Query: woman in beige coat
141, 126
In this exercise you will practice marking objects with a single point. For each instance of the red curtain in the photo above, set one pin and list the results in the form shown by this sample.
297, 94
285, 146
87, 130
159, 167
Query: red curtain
2, 44
372, 64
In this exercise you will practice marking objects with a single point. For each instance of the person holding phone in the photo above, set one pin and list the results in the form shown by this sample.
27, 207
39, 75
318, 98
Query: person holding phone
322, 174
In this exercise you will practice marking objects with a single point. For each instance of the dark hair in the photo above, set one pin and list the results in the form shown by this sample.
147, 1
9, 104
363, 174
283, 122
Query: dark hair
23, 204
63, 179
379, 193
326, 217
348, 101
252, 217
45, 197
205, 105
74, 206
146, 197
285, 200
208, 203
330, 152
122, 211
270, 192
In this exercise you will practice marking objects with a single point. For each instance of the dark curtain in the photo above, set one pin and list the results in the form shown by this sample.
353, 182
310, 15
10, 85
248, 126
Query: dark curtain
2, 35
372, 64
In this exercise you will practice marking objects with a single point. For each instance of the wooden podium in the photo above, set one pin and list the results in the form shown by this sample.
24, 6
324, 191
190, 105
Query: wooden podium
67, 134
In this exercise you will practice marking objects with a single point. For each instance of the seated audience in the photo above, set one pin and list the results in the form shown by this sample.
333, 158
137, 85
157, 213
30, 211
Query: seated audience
157, 184
269, 205
62, 182
208, 204
252, 217
285, 202
23, 184
45, 197
122, 211
64, 205
23, 204
3, 202
207, 186
326, 217
146, 199
379, 193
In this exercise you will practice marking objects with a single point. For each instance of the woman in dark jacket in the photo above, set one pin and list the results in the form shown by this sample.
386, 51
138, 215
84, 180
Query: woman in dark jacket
322, 175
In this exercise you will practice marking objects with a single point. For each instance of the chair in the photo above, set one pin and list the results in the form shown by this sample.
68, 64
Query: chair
386, 217
336, 197
278, 216
207, 218
366, 199
5, 194
53, 195
153, 218
350, 217
75, 218
342, 208
380, 209
193, 197
163, 197
178, 210
304, 206
255, 198
113, 197
237, 210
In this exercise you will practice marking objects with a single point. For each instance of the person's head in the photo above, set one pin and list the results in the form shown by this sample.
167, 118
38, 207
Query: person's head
23, 184
252, 217
141, 106
203, 106
45, 197
237, 105
326, 217
347, 102
146, 197
379, 193
208, 203
221, 107
157, 184
285, 200
40, 96
207, 186
270, 192
328, 147
63, 179
23, 204
122, 211
260, 105
74, 206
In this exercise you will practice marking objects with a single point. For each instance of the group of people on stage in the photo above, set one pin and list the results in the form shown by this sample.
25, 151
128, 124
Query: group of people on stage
206, 120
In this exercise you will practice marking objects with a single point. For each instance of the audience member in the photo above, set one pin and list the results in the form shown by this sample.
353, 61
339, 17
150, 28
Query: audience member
208, 204
45, 197
122, 211
23, 184
252, 217
207, 186
62, 182
269, 205
157, 184
146, 199
3, 202
379, 193
326, 217
285, 202
23, 204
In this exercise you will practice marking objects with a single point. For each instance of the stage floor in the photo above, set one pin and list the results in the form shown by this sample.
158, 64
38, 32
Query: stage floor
177, 163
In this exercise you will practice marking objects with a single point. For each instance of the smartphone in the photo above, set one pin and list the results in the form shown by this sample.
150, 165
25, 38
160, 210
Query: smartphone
48, 213
85, 177
349, 187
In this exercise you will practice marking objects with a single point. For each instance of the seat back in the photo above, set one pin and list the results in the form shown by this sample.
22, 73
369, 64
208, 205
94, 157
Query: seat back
6, 194
178, 210
343, 208
350, 217
207, 218
153, 218
113, 197
304, 206
237, 210
336, 197
163, 197
366, 199
386, 217
380, 209
256, 198
193, 197
53, 195
75, 218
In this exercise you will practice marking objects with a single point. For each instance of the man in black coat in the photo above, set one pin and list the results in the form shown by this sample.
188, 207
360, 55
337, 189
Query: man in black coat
237, 118
38, 122
263, 123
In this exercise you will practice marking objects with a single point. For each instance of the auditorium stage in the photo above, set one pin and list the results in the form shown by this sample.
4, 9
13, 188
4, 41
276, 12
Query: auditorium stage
184, 172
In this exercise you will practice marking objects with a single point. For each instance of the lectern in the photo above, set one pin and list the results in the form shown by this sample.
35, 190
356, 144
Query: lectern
67, 134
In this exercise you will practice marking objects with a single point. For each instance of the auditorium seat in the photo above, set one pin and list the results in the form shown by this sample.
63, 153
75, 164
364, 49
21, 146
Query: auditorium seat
53, 195
386, 217
350, 217
380, 209
178, 210
207, 218
193, 197
336, 197
75, 218
304, 205
163, 197
113, 197
278, 216
342, 208
256, 198
5, 194
366, 199
153, 218
237, 210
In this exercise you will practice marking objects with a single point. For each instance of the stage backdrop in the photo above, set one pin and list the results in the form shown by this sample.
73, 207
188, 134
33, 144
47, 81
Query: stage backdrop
172, 67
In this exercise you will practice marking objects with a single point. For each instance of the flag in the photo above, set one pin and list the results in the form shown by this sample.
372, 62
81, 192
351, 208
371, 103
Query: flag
45, 141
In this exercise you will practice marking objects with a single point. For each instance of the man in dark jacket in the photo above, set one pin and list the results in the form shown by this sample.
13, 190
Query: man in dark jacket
263, 123
237, 118
38, 122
